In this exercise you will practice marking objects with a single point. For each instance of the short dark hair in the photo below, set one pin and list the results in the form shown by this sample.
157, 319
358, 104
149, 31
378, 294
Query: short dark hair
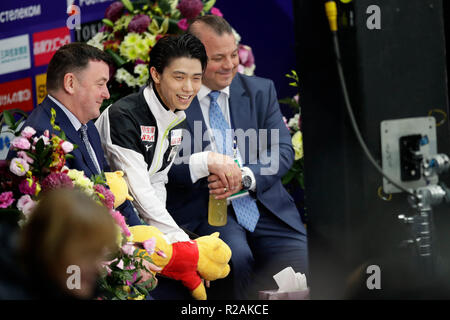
172, 47
72, 57
218, 24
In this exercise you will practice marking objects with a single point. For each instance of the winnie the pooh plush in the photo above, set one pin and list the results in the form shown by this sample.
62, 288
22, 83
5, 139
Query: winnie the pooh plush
118, 187
206, 257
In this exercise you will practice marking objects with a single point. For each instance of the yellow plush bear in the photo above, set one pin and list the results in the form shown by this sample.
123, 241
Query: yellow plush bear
118, 187
206, 257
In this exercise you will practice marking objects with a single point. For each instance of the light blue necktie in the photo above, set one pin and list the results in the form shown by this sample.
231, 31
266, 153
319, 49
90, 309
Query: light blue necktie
87, 144
247, 213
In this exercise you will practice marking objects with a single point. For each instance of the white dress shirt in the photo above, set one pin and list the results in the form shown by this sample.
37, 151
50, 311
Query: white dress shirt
75, 123
198, 162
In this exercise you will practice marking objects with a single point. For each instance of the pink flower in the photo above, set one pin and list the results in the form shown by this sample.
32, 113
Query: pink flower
56, 180
108, 196
149, 245
28, 132
130, 283
21, 143
246, 57
19, 166
286, 123
183, 24
28, 186
67, 147
47, 133
24, 156
26, 204
120, 220
190, 9
139, 23
6, 199
296, 98
216, 12
128, 248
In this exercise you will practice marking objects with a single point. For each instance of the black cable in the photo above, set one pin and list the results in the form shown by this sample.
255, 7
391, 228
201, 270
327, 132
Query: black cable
353, 121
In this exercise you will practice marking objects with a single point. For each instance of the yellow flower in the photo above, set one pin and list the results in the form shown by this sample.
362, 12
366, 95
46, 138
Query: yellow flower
297, 143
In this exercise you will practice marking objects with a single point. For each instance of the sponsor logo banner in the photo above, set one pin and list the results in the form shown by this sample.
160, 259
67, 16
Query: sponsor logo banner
88, 30
41, 88
10, 15
14, 54
46, 43
16, 94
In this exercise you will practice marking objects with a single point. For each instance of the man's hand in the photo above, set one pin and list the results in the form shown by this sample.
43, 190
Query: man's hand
217, 188
224, 169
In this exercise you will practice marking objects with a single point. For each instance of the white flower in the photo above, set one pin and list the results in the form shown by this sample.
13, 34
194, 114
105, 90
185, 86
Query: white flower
96, 41
293, 122
236, 35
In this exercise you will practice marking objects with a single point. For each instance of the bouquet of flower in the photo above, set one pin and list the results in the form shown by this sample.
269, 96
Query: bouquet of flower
39, 166
294, 127
131, 29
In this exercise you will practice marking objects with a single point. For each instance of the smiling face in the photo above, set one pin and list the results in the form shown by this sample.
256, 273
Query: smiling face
90, 90
223, 58
179, 82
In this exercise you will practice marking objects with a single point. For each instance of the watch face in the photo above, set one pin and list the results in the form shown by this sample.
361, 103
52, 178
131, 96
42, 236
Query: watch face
246, 182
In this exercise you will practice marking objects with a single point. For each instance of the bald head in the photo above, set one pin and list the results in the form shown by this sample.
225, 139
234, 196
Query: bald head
221, 47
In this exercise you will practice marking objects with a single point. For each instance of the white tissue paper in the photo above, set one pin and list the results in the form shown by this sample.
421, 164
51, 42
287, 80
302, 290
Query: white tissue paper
291, 286
288, 280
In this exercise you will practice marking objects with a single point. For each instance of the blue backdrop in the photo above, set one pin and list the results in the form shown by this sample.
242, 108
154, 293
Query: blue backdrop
266, 25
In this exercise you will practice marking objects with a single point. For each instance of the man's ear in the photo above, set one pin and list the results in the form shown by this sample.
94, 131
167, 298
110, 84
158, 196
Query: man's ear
69, 83
155, 75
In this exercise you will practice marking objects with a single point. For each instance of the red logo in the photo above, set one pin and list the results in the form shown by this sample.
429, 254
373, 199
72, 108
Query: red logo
46, 43
148, 133
16, 95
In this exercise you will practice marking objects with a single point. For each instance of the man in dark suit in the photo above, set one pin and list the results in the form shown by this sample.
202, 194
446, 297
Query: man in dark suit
230, 118
76, 84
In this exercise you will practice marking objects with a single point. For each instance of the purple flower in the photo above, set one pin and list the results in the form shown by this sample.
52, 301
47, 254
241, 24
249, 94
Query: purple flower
56, 180
114, 11
190, 9
246, 57
108, 196
24, 156
183, 24
139, 23
216, 12
149, 245
26, 204
28, 186
19, 166
28, 132
21, 143
6, 199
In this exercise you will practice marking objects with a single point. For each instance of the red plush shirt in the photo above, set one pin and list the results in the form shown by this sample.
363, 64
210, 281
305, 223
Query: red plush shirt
183, 264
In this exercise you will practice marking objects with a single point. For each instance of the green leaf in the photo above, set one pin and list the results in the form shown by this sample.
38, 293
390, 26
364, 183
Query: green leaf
128, 5
288, 177
208, 5
165, 26
69, 156
108, 22
8, 118
118, 60
39, 146
165, 6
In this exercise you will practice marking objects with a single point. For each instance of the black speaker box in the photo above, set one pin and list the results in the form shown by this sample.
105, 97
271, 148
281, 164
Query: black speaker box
395, 71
